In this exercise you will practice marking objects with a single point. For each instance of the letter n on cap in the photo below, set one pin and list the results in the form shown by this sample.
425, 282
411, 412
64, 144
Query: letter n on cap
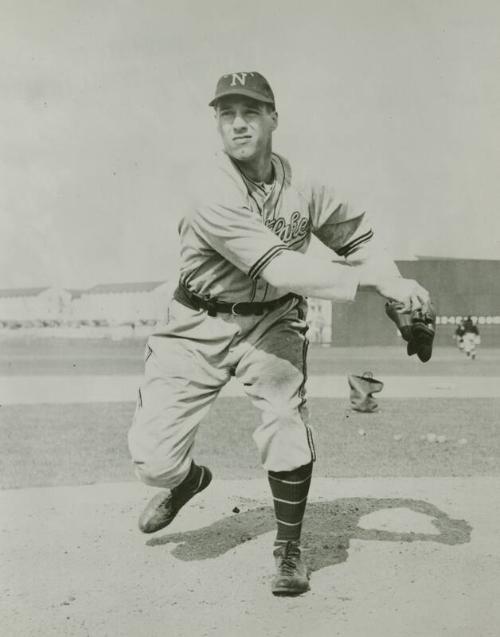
240, 77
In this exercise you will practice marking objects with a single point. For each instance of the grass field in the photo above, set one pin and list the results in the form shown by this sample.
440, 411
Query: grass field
85, 443
30, 356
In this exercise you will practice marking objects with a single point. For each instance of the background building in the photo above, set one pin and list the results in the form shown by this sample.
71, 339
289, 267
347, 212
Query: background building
34, 306
123, 303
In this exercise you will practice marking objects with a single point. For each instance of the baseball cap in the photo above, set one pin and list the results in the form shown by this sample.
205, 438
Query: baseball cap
247, 83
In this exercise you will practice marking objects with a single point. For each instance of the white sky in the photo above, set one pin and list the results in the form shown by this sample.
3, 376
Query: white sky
104, 110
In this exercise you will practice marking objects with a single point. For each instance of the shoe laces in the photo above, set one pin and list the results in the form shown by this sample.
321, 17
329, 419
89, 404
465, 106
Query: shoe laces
288, 562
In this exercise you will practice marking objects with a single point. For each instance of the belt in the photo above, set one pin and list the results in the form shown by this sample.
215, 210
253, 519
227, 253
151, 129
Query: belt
241, 308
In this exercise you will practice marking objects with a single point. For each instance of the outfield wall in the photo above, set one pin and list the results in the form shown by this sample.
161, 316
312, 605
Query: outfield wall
459, 287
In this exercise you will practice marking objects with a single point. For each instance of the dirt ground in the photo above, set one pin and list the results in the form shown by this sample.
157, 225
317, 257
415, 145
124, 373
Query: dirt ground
389, 557
400, 534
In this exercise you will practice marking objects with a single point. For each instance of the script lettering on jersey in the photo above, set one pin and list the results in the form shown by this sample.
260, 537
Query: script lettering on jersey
240, 77
297, 227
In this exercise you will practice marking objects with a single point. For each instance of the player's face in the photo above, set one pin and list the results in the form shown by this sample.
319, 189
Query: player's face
246, 127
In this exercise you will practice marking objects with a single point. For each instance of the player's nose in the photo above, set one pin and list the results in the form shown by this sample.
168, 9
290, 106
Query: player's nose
239, 123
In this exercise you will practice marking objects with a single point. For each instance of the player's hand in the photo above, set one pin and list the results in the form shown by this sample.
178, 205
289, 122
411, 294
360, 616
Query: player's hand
408, 292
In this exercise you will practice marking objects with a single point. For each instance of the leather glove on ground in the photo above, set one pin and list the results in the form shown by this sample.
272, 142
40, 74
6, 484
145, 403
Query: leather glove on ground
417, 327
362, 389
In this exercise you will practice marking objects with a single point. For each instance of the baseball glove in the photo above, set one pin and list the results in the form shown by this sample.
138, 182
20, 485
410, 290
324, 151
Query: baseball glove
417, 327
362, 389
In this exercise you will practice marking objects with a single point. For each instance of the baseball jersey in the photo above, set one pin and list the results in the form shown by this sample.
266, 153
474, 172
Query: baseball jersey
235, 227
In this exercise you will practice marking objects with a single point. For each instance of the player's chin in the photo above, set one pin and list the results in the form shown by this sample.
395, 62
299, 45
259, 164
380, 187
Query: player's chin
242, 154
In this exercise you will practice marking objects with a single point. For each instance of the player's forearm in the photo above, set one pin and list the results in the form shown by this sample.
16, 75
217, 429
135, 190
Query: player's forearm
310, 276
375, 264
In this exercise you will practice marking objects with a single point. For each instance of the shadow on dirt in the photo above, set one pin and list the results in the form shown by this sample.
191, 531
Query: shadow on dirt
328, 529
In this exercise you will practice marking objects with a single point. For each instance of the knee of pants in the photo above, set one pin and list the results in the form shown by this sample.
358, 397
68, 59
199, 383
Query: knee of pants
285, 442
159, 460
281, 415
163, 472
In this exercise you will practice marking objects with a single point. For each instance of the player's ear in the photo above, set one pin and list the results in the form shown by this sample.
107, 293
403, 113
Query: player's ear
274, 116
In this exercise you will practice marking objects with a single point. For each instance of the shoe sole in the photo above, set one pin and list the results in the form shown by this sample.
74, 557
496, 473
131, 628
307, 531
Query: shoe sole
283, 591
294, 586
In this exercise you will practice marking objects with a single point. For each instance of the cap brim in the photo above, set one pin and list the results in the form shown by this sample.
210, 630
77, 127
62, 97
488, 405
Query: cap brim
241, 91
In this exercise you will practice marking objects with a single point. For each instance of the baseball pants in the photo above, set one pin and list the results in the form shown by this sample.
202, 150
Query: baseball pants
469, 342
188, 364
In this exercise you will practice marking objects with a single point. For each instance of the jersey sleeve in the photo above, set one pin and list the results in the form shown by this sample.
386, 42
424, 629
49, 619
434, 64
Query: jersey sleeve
237, 233
337, 223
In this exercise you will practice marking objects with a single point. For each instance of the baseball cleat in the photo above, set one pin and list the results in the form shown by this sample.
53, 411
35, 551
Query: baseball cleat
162, 509
291, 576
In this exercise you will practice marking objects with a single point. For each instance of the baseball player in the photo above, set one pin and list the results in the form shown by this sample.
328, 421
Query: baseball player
240, 311
459, 335
470, 338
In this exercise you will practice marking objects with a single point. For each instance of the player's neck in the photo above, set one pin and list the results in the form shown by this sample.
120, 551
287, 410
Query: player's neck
259, 169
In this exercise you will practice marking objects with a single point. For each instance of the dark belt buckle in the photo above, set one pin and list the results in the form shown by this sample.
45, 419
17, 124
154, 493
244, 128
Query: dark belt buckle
233, 309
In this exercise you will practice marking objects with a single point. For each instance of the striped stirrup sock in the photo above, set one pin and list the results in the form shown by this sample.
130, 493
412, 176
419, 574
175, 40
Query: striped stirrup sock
290, 489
